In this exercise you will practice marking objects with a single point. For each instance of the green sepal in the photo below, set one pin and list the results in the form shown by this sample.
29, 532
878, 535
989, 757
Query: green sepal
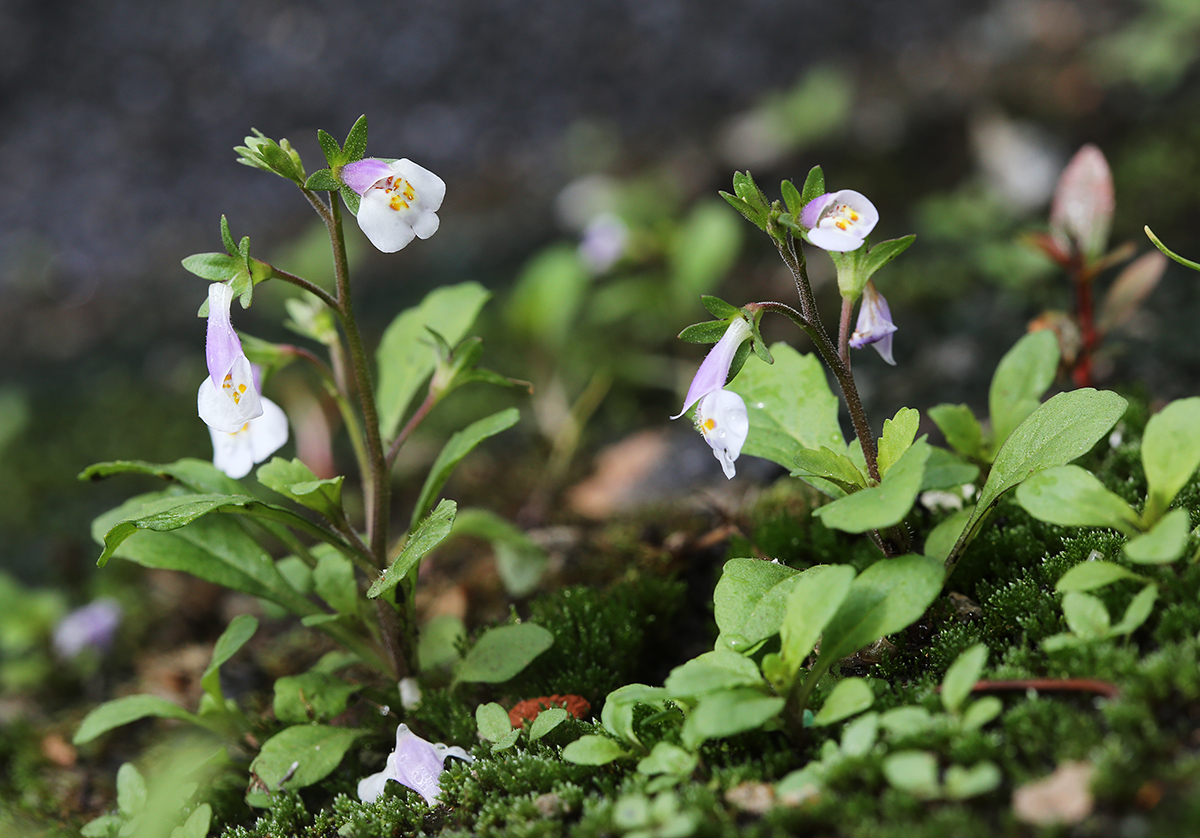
709, 331
215, 267
352, 200
739, 359
748, 212
719, 308
429, 534
227, 238
322, 180
791, 197
746, 189
356, 141
331, 149
279, 158
814, 187
880, 254
788, 220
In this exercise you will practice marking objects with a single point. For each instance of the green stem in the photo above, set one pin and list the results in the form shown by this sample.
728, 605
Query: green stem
410, 426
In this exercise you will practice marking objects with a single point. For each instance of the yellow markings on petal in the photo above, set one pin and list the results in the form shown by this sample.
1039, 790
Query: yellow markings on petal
707, 425
400, 192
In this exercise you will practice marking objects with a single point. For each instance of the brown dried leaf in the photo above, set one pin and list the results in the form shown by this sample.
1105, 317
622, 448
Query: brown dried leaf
1065, 797
1129, 289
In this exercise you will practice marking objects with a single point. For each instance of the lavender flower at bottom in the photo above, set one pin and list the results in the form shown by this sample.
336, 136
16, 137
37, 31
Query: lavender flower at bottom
414, 763
875, 326
91, 627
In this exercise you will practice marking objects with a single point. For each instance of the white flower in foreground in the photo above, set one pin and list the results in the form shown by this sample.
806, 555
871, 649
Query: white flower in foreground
236, 453
721, 416
414, 763
400, 200
839, 221
874, 326
227, 399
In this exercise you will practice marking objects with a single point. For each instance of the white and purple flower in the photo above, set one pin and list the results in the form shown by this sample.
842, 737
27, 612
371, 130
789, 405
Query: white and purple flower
236, 453
93, 626
227, 399
721, 414
874, 326
839, 221
400, 200
414, 763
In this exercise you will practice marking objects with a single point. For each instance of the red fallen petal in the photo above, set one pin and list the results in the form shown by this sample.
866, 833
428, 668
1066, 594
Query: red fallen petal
528, 709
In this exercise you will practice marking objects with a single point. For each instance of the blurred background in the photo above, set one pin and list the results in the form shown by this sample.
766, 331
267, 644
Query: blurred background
582, 145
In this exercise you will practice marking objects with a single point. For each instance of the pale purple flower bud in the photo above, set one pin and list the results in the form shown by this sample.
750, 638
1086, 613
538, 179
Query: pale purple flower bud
604, 241
722, 418
1082, 209
875, 326
839, 221
414, 763
714, 369
227, 399
94, 626
400, 200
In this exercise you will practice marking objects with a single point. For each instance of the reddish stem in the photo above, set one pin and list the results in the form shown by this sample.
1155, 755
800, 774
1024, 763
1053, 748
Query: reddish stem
1083, 685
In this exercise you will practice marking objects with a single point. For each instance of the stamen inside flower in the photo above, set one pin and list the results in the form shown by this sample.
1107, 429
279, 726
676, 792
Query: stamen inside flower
399, 191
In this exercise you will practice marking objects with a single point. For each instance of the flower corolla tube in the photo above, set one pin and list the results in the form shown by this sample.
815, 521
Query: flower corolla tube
414, 763
227, 399
721, 414
874, 326
839, 221
400, 200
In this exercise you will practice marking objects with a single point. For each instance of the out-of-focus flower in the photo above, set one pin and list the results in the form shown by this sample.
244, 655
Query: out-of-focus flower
410, 693
400, 200
875, 326
91, 627
1082, 209
721, 417
414, 763
839, 221
227, 399
714, 369
604, 241
236, 453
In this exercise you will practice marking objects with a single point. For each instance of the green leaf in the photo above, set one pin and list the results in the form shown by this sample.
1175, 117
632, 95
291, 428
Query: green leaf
888, 596
1062, 429
437, 644
548, 297
1085, 614
709, 331
293, 479
848, 698
756, 217
198, 475
1022, 376
944, 470
944, 536
502, 652
322, 180
227, 238
960, 427
334, 581
791, 197
546, 721
1138, 611
240, 629
961, 677
668, 759
1164, 543
356, 140
1073, 497
130, 708
822, 467
593, 750
912, 771
898, 435
880, 253
217, 267
814, 186
492, 722
1087, 576
906, 722
617, 713
720, 309
313, 750
790, 407
978, 713
428, 534
458, 446
197, 824
1170, 453
981, 778
520, 561
711, 672
406, 354
702, 252
859, 736
737, 596
131, 790
815, 598
729, 713
330, 148
746, 189
311, 697
883, 505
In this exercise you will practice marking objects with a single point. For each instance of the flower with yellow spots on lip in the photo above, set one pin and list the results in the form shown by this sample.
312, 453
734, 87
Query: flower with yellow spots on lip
839, 221
400, 200
227, 399
236, 453
721, 414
